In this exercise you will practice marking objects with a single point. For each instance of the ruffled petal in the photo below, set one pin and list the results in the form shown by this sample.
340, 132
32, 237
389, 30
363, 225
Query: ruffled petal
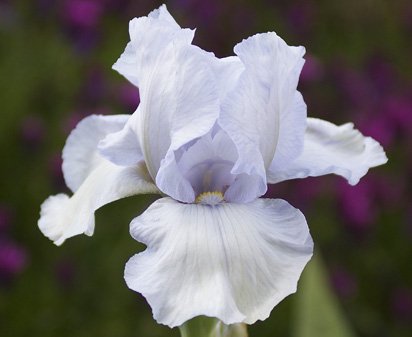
207, 163
329, 148
245, 188
231, 261
179, 96
62, 217
252, 114
122, 147
182, 104
291, 133
227, 71
80, 155
148, 37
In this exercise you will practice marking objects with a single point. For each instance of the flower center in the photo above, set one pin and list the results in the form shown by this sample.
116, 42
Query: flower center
210, 198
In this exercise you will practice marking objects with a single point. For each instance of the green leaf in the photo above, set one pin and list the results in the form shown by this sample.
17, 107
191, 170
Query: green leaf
318, 311
211, 327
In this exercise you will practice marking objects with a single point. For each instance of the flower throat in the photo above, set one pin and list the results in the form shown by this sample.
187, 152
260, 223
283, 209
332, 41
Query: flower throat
210, 198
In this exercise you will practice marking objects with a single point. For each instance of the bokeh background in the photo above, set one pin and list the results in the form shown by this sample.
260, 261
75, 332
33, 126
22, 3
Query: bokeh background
55, 69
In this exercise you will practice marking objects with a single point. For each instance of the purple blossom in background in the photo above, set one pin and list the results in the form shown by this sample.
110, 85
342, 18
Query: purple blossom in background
205, 11
128, 96
356, 88
33, 132
83, 14
344, 283
401, 304
381, 74
81, 19
13, 260
76, 116
399, 109
208, 13
117, 5
94, 89
312, 70
244, 18
85, 42
380, 127
72, 120
305, 191
358, 204
301, 17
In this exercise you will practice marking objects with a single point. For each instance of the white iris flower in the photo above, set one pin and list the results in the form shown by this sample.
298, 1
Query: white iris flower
209, 134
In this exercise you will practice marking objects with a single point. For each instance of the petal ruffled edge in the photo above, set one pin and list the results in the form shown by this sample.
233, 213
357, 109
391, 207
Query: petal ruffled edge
80, 154
62, 217
253, 111
329, 148
148, 36
181, 103
232, 261
122, 148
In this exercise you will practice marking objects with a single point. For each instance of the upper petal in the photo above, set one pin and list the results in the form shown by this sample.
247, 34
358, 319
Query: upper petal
180, 103
179, 97
253, 112
207, 163
232, 261
227, 71
122, 147
149, 35
80, 155
329, 148
62, 217
292, 132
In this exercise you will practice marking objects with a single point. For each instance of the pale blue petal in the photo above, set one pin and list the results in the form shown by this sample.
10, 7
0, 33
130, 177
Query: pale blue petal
123, 147
178, 105
80, 153
62, 217
291, 133
230, 261
148, 38
179, 96
245, 188
207, 163
329, 148
253, 112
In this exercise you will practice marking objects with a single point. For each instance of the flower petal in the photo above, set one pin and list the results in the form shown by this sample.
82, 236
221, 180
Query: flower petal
207, 163
291, 133
329, 148
228, 71
80, 155
122, 147
62, 217
253, 112
148, 37
231, 261
179, 98
181, 104
245, 188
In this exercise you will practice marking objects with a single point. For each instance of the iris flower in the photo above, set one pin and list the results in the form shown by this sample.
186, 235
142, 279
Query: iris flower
209, 135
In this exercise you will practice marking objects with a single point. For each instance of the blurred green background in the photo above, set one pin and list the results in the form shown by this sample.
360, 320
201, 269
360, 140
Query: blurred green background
55, 69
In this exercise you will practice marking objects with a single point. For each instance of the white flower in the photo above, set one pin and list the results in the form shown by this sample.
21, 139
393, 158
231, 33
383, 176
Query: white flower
210, 134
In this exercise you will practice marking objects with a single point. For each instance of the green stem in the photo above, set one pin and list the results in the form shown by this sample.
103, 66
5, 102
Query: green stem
211, 327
